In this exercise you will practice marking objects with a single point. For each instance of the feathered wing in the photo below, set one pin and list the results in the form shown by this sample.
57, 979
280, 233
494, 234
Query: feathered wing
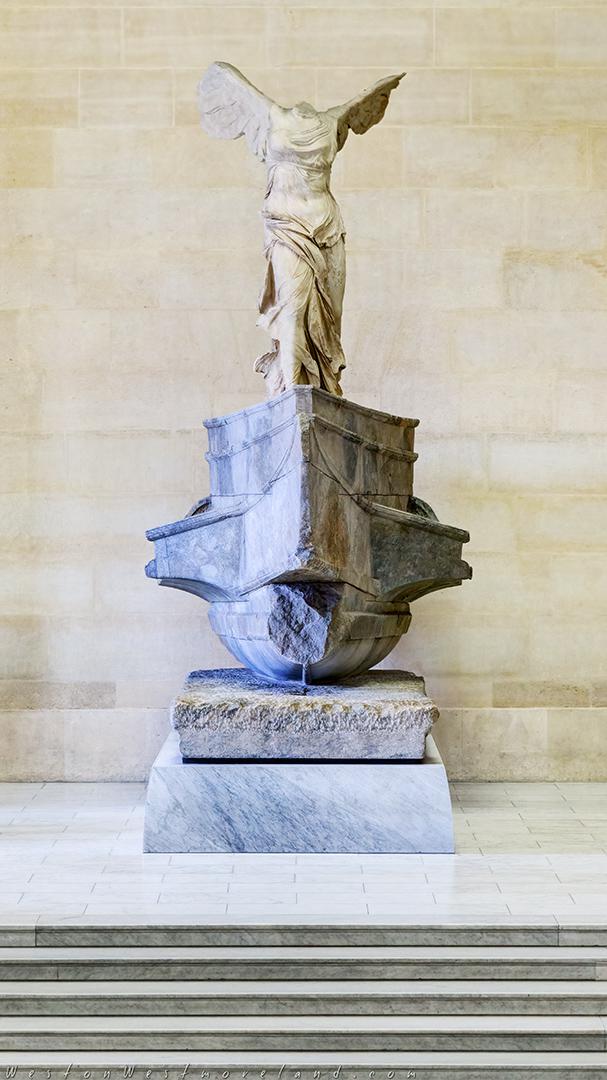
364, 110
230, 106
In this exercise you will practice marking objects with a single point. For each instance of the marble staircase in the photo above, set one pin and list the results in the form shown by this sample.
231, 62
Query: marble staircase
509, 1000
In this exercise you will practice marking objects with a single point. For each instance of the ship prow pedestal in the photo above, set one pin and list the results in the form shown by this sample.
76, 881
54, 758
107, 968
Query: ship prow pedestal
311, 522
310, 549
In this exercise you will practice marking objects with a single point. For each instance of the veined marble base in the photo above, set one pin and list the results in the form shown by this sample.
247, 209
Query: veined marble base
298, 806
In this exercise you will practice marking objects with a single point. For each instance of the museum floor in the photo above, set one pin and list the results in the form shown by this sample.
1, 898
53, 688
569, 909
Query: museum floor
490, 963
70, 850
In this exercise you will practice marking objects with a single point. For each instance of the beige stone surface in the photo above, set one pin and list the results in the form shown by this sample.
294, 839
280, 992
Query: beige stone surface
476, 220
599, 157
72, 744
538, 694
532, 744
133, 98
581, 42
38, 98
497, 37
26, 158
331, 36
55, 38
539, 97
485, 156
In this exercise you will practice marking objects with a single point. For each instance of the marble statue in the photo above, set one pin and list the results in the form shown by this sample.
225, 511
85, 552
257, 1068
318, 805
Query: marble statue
301, 300
310, 549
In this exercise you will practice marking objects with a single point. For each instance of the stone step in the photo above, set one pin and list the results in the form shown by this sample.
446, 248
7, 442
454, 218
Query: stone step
298, 1033
503, 931
286, 964
354, 998
89, 932
424, 1065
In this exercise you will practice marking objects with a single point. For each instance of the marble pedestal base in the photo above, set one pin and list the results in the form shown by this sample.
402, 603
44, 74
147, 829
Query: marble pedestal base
297, 806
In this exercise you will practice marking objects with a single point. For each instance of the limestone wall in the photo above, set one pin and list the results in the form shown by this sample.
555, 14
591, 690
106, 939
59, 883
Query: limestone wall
476, 300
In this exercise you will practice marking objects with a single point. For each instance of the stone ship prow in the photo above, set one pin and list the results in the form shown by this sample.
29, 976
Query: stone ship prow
311, 545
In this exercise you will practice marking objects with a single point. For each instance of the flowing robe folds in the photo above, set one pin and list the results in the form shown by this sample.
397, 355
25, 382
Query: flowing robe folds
301, 301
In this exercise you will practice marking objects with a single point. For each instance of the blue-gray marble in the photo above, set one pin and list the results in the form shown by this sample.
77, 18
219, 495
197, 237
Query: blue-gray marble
311, 546
297, 807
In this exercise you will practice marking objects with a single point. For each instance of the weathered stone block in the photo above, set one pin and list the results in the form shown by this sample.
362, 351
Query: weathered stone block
232, 713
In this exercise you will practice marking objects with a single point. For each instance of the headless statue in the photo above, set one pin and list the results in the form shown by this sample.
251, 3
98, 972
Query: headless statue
302, 297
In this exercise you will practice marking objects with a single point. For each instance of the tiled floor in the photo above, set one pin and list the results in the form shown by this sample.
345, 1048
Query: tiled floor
523, 850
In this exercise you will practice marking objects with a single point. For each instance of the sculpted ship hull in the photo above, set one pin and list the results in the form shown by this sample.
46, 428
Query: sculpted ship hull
311, 546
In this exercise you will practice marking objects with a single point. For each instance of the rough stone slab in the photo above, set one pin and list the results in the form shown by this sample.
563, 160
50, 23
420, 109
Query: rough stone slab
233, 713
297, 807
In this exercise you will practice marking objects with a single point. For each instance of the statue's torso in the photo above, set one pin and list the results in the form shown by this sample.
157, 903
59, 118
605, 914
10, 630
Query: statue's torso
299, 153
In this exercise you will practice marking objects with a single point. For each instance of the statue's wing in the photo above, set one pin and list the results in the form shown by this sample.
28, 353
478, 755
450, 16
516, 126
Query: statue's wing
230, 106
364, 110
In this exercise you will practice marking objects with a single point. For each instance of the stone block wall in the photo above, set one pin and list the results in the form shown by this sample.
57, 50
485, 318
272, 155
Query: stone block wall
476, 300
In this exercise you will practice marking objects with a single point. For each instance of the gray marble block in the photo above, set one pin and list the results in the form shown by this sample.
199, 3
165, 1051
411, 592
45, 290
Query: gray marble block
297, 807
233, 713
311, 546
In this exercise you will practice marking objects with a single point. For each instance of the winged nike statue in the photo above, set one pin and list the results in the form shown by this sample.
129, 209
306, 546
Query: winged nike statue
301, 301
